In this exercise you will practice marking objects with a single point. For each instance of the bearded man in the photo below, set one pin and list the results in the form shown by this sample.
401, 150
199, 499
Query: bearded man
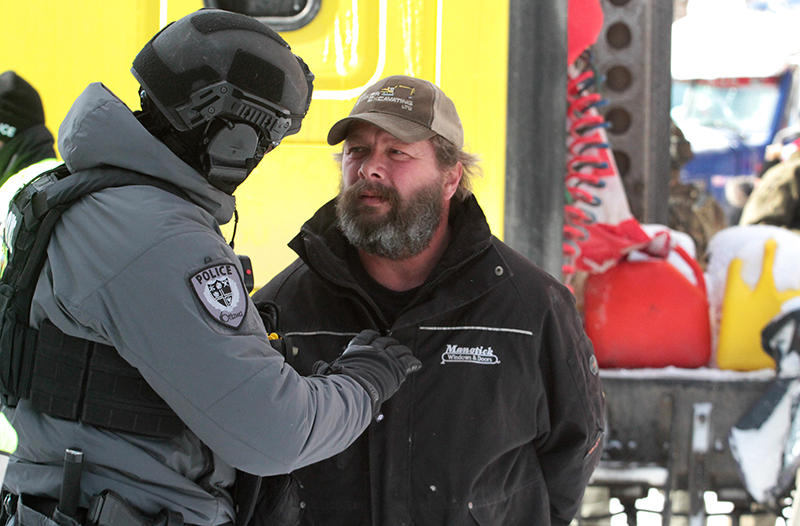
503, 423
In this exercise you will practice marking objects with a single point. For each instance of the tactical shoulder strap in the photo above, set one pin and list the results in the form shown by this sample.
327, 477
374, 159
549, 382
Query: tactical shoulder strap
67, 377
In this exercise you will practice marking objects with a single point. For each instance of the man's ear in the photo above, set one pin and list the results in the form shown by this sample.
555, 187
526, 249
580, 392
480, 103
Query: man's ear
452, 178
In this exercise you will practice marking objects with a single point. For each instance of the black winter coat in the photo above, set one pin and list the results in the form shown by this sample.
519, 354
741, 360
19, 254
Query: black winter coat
503, 423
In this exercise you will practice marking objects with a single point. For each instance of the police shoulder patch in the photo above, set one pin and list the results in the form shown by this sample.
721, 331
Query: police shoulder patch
219, 288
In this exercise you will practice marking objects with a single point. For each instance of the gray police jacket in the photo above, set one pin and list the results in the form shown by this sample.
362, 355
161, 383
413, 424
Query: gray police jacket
129, 267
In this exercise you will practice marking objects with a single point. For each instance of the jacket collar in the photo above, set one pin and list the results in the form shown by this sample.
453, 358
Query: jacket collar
321, 245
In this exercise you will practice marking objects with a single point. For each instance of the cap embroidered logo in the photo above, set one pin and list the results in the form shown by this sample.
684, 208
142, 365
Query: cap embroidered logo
400, 94
220, 290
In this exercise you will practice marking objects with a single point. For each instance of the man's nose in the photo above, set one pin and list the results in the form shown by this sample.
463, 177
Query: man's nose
372, 167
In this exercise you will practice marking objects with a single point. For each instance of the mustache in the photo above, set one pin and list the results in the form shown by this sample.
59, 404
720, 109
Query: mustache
363, 186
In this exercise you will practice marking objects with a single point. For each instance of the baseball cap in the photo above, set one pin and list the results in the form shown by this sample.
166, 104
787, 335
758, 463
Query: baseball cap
20, 105
409, 108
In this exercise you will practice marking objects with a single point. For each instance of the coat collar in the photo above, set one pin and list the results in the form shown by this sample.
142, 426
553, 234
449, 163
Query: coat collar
321, 245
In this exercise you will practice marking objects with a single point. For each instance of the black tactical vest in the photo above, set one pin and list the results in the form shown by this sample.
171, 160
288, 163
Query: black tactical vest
63, 376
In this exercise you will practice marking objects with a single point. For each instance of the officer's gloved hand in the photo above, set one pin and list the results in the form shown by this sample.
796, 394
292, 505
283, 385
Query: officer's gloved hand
379, 363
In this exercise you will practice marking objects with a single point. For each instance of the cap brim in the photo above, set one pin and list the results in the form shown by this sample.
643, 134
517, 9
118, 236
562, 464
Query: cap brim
403, 129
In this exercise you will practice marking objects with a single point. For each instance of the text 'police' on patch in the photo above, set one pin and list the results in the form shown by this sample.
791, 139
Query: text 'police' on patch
220, 290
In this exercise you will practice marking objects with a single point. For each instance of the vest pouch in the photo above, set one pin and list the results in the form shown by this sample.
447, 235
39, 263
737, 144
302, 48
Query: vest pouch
59, 373
17, 352
7, 322
78, 379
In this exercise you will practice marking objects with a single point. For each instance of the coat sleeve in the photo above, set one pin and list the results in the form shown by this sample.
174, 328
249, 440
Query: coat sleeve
575, 403
227, 383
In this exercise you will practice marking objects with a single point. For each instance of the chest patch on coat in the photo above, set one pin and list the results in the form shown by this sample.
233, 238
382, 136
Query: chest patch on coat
220, 290
477, 355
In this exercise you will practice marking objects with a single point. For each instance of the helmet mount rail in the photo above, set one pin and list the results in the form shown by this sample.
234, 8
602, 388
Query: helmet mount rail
223, 99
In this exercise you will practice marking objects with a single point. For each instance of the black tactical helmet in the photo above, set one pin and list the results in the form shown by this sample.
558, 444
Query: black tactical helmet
227, 82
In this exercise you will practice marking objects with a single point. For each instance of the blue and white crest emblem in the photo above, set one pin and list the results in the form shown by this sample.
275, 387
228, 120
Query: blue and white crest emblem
220, 290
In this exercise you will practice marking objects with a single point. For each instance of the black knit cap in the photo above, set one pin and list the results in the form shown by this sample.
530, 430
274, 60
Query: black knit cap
20, 106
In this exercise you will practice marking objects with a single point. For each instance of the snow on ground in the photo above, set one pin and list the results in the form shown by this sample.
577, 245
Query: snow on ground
652, 505
702, 373
759, 451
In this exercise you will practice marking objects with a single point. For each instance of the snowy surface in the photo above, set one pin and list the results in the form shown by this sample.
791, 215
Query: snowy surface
790, 365
610, 473
759, 451
702, 373
747, 243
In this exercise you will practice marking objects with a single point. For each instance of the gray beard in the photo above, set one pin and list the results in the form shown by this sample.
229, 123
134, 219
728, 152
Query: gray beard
405, 231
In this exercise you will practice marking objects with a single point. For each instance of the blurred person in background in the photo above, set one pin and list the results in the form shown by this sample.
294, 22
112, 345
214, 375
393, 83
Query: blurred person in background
775, 199
24, 139
692, 210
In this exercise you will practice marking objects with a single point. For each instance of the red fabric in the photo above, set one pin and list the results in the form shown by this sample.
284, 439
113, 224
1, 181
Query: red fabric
608, 244
594, 183
584, 22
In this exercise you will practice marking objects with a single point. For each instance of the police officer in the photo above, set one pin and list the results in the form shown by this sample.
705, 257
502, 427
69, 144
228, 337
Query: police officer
26, 145
24, 139
692, 209
152, 361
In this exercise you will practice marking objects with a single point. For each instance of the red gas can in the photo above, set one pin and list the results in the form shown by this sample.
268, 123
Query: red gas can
647, 314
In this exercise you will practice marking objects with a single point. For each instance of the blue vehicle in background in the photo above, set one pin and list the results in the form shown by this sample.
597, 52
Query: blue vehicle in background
735, 87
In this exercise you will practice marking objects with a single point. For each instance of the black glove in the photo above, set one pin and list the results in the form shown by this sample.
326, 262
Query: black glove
379, 363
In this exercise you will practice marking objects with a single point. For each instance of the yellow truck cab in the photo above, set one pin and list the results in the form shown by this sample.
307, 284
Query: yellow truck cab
348, 44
